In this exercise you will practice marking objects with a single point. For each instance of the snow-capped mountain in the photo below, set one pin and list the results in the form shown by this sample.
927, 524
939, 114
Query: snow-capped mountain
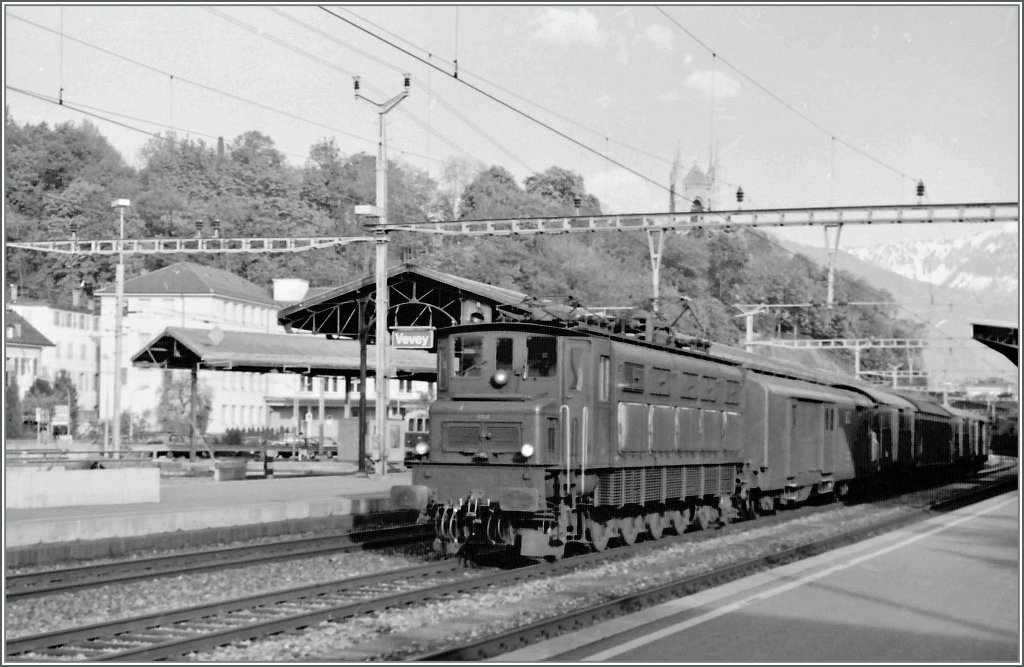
945, 286
988, 262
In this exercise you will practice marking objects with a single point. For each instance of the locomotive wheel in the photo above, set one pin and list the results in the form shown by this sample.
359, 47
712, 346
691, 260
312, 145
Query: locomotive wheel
655, 525
706, 516
599, 534
629, 529
677, 520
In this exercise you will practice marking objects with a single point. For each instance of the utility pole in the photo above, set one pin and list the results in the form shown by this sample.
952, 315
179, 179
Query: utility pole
380, 235
120, 205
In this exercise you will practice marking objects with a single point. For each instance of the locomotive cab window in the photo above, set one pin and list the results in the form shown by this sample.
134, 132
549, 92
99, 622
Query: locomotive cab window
503, 355
541, 356
576, 369
469, 356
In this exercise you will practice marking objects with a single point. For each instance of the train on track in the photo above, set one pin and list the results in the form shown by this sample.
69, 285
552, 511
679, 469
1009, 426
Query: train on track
558, 432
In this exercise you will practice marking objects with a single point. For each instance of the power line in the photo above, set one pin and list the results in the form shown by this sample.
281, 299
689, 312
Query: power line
501, 102
463, 71
781, 101
402, 110
67, 105
213, 89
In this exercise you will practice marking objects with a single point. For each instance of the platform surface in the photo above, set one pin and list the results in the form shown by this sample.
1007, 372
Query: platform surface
196, 503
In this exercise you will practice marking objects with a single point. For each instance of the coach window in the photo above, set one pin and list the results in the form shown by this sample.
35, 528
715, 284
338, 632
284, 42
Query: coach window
631, 377
541, 356
469, 356
689, 385
503, 355
732, 393
709, 386
661, 380
603, 379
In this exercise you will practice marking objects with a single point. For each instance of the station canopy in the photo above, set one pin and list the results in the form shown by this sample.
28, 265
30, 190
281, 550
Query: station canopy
1000, 336
213, 349
417, 297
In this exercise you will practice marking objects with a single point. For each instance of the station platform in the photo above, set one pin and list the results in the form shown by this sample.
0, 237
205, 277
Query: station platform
194, 511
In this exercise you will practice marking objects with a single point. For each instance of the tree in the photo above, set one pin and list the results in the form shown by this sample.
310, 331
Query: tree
12, 408
560, 188
176, 403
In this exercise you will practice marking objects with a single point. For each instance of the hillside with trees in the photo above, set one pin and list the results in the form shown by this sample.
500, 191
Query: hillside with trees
61, 180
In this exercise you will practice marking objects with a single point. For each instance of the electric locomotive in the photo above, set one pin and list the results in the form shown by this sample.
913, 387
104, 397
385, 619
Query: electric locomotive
545, 435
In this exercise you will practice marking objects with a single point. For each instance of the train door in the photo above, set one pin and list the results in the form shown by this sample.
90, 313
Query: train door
807, 435
574, 413
828, 455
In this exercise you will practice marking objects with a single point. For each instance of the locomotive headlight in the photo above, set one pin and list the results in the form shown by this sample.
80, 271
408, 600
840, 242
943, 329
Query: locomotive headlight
422, 447
526, 450
500, 379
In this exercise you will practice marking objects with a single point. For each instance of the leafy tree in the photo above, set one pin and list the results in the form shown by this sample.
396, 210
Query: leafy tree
560, 188
12, 408
175, 412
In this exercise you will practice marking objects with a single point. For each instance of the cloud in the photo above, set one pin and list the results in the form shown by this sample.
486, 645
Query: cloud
688, 60
623, 192
659, 36
702, 80
566, 26
669, 96
622, 49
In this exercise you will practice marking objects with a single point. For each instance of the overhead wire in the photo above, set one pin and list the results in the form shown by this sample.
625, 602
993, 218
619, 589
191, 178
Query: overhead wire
213, 89
503, 103
91, 111
781, 101
402, 110
463, 71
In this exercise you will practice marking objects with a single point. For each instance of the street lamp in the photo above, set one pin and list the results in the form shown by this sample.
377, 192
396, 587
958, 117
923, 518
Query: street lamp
120, 205
381, 242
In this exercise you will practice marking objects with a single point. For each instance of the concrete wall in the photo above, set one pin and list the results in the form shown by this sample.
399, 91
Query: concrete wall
28, 488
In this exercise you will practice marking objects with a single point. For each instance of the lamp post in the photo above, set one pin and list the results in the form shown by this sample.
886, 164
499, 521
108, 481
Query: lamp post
120, 205
381, 242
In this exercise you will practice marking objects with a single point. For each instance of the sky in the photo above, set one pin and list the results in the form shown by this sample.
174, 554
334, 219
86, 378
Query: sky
802, 105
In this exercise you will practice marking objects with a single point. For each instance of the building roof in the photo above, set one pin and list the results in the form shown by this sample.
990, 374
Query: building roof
417, 296
23, 333
181, 347
191, 278
696, 177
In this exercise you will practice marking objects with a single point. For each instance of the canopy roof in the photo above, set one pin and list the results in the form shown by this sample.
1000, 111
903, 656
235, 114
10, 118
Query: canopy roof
1000, 336
180, 347
417, 296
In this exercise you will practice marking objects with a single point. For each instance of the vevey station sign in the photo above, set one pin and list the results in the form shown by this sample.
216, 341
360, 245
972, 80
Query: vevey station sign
412, 338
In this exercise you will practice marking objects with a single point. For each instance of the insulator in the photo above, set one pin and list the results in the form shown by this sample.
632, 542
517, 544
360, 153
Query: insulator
920, 188
739, 195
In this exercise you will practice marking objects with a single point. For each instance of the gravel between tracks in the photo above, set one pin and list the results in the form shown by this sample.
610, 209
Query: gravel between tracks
398, 634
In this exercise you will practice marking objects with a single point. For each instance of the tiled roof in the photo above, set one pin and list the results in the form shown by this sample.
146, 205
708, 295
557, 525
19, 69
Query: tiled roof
191, 278
181, 347
29, 335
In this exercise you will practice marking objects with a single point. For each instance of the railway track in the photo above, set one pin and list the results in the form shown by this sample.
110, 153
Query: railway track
74, 578
170, 635
504, 642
